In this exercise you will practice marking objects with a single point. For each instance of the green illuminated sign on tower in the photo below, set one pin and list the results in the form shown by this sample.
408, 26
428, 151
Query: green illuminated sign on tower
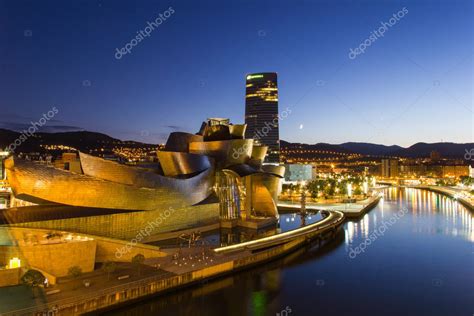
250, 77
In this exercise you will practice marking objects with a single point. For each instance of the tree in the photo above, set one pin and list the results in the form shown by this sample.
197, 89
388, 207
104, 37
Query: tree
33, 278
357, 190
109, 267
138, 261
74, 272
314, 187
330, 187
466, 180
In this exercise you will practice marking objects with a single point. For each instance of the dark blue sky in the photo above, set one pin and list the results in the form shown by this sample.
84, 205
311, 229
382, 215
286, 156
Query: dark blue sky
414, 84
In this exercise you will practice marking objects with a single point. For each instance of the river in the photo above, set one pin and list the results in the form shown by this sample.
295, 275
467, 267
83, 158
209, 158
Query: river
410, 255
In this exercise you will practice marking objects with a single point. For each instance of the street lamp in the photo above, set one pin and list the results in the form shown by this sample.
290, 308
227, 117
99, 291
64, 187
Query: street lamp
303, 197
366, 187
349, 190
14, 263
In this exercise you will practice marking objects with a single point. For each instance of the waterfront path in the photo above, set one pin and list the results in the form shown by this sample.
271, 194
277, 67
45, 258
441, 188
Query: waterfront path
351, 210
159, 275
459, 194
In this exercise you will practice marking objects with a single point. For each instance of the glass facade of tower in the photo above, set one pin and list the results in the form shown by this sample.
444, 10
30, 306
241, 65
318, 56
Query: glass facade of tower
261, 113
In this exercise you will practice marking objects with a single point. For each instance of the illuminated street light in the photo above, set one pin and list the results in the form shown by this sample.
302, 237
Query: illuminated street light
366, 187
349, 189
14, 263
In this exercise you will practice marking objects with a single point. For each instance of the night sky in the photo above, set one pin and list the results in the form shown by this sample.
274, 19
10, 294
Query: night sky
413, 84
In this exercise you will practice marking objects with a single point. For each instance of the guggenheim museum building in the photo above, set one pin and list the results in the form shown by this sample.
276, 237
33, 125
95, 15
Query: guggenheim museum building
202, 179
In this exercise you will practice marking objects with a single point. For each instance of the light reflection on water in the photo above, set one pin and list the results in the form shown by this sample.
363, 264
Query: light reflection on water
225, 237
422, 265
430, 212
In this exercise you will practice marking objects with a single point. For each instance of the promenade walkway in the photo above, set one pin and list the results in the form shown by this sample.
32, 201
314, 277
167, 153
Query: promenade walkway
162, 274
355, 209
463, 196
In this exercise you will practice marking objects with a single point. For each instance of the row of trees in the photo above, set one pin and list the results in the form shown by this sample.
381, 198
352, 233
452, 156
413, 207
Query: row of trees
328, 187
466, 180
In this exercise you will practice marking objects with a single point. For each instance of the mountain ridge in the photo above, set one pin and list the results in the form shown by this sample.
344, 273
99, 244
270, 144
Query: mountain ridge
87, 140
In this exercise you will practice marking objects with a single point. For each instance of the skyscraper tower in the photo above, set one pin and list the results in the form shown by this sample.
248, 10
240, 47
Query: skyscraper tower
261, 113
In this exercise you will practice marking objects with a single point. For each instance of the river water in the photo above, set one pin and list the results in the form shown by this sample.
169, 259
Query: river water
410, 255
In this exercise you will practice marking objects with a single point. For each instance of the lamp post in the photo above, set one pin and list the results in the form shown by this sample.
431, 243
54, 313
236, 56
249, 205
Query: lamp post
349, 190
303, 197
366, 187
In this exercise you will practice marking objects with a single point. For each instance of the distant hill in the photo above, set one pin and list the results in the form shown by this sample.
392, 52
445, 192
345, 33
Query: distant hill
318, 146
418, 150
83, 141
370, 149
90, 141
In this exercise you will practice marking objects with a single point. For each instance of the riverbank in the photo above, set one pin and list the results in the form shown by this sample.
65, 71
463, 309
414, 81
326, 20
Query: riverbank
350, 210
431, 231
453, 193
187, 269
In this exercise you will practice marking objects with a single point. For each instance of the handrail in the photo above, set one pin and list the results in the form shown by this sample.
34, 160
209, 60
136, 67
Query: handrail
109, 290
334, 218
286, 235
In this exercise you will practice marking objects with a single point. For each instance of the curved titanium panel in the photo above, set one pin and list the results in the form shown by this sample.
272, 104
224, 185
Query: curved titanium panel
278, 171
202, 128
262, 201
259, 152
226, 152
243, 170
216, 132
237, 131
35, 180
273, 184
176, 163
179, 141
115, 172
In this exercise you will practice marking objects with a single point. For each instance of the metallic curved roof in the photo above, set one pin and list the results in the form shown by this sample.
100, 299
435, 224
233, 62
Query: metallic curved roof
104, 187
179, 141
177, 163
225, 152
243, 170
278, 171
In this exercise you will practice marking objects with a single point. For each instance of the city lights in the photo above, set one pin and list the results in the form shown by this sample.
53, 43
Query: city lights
14, 263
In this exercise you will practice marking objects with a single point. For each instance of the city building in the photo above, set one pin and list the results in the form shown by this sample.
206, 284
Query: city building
410, 171
261, 113
298, 172
211, 176
389, 168
455, 171
69, 161
5, 190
